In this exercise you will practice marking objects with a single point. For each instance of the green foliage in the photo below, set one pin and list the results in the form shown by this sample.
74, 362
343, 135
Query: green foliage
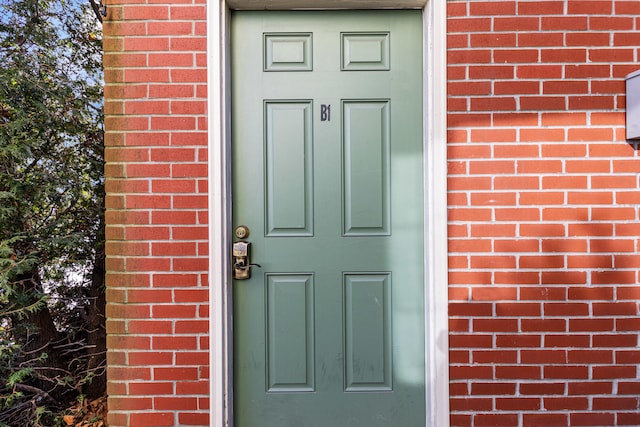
51, 200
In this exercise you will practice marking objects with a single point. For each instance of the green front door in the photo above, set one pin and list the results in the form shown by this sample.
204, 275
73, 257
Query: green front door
328, 178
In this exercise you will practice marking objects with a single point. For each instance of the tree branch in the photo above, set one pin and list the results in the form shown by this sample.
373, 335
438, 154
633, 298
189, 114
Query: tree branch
96, 9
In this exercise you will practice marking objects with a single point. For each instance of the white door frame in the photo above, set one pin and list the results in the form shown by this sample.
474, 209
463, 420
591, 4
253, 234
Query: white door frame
435, 178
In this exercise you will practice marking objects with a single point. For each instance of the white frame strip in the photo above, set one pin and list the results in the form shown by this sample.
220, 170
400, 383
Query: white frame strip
435, 161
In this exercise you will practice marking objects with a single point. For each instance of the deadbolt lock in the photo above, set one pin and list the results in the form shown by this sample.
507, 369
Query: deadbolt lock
242, 232
241, 255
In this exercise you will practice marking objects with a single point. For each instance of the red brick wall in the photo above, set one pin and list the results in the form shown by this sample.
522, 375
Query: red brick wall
156, 140
543, 211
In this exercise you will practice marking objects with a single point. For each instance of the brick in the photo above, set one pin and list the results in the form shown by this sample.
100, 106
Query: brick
152, 419
493, 135
541, 8
136, 295
590, 356
470, 341
171, 217
592, 102
615, 277
470, 372
628, 418
173, 248
564, 245
129, 403
565, 87
516, 182
545, 388
173, 343
591, 325
458, 325
545, 419
543, 103
539, 166
518, 309
566, 372
191, 327
491, 8
519, 403
543, 356
127, 373
518, 341
457, 41
516, 277
193, 418
590, 387
150, 388
566, 213
191, 295
625, 325
626, 261
516, 151
564, 277
470, 245
589, 261
470, 404
518, 214
543, 325
566, 341
541, 261
540, 39
630, 7
172, 90
589, 39
496, 420
616, 340
493, 104
460, 420
562, 23
492, 198
629, 387
495, 325
516, 24
147, 139
593, 7
587, 166
464, 25
542, 230
563, 55
146, 170
174, 311
512, 56
173, 123
492, 388
566, 403
540, 134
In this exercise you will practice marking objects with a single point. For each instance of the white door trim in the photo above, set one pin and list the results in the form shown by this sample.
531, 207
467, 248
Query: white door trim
435, 178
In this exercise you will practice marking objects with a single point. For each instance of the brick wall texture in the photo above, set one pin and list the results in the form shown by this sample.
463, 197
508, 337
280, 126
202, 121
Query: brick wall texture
156, 152
544, 199
543, 213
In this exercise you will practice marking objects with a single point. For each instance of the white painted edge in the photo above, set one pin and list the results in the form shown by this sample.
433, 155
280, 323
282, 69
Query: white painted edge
436, 268
219, 213
436, 240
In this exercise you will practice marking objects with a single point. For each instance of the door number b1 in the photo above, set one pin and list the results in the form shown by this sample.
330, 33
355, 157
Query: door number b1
325, 112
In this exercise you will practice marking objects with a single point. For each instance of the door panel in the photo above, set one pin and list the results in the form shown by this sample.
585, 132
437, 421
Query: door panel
327, 175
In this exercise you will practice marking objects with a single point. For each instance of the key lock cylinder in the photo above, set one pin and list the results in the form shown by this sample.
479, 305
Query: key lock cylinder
241, 254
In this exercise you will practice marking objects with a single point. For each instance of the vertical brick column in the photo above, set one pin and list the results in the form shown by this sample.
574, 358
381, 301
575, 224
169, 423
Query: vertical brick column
543, 210
156, 154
